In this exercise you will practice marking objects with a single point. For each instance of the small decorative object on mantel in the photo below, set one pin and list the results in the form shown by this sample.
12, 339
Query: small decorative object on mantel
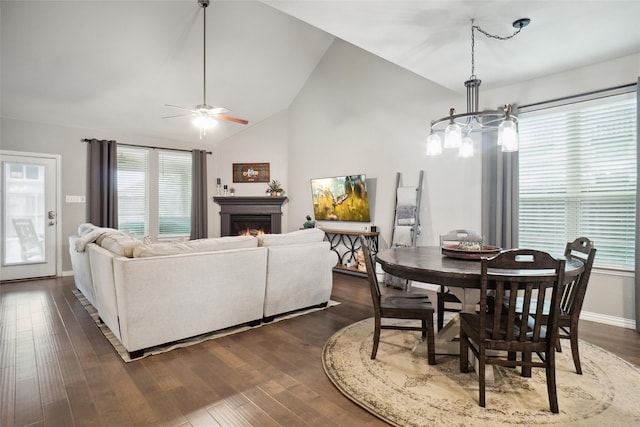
309, 223
274, 188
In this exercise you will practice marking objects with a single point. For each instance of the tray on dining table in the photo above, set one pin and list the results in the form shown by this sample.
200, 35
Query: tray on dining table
453, 251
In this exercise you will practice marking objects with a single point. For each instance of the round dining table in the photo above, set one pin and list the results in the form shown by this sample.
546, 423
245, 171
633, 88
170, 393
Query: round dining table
427, 264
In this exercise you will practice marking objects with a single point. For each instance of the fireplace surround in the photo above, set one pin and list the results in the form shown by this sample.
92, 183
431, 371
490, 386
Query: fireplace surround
253, 210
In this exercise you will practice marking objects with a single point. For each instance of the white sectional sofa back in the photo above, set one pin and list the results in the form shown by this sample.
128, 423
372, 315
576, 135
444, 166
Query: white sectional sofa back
155, 300
154, 294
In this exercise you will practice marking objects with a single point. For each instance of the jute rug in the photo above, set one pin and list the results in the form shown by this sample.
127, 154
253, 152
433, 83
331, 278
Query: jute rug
124, 354
403, 390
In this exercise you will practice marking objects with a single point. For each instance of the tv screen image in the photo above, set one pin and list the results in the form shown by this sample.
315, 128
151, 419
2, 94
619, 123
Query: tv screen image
341, 198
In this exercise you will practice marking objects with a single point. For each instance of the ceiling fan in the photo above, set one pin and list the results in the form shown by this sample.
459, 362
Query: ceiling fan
204, 116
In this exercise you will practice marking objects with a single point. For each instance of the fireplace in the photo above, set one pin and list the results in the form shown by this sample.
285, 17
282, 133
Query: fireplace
250, 225
255, 214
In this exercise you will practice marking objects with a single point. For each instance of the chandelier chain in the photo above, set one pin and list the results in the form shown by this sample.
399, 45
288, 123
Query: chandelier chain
493, 36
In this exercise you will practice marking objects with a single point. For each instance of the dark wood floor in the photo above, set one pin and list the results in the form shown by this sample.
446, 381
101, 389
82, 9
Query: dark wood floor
57, 369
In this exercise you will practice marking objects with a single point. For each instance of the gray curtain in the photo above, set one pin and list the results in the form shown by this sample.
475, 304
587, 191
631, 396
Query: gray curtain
199, 195
500, 199
102, 183
637, 263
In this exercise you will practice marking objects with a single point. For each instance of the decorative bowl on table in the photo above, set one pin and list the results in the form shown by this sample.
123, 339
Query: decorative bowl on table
469, 251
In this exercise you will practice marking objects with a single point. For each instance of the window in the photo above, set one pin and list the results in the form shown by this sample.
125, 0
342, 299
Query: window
154, 192
578, 176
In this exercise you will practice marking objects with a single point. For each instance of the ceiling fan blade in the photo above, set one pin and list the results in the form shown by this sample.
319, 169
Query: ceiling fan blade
218, 110
181, 108
231, 119
179, 115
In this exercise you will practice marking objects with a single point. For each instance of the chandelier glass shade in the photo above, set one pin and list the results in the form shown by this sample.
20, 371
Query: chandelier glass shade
457, 128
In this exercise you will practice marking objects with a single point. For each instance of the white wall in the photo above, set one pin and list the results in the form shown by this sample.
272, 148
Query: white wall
361, 114
265, 142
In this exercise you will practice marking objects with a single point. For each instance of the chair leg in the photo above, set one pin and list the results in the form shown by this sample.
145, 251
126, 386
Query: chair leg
574, 349
551, 380
558, 345
464, 352
526, 358
376, 338
440, 310
431, 349
481, 376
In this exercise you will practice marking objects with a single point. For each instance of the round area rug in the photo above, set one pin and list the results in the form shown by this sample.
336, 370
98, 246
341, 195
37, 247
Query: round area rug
403, 390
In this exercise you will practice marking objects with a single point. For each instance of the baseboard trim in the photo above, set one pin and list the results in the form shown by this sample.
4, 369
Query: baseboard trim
608, 320
67, 273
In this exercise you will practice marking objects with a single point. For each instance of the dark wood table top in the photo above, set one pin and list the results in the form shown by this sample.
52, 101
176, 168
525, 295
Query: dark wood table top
427, 264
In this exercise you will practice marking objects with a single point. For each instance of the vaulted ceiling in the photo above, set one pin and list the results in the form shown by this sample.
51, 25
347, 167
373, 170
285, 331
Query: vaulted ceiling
113, 65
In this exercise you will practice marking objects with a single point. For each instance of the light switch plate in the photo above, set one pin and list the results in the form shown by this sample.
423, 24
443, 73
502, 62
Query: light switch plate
74, 199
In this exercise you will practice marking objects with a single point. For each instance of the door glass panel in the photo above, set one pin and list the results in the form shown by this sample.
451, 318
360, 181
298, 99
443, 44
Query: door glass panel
24, 219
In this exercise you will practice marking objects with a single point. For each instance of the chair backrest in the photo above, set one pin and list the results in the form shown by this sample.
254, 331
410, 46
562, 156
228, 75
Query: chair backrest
26, 234
371, 275
574, 292
515, 279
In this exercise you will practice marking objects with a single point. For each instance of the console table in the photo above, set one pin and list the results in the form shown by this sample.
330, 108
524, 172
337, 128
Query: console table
346, 244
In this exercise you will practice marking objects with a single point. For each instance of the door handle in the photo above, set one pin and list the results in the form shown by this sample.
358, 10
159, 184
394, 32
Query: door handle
51, 215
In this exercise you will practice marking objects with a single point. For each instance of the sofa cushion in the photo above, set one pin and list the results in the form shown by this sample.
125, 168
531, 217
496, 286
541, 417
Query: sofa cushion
200, 245
119, 243
223, 243
309, 235
160, 249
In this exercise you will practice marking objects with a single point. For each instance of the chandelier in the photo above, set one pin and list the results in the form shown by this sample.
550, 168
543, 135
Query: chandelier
457, 128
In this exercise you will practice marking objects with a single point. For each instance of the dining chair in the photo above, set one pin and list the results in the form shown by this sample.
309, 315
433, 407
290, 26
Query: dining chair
445, 298
31, 245
395, 305
573, 296
499, 326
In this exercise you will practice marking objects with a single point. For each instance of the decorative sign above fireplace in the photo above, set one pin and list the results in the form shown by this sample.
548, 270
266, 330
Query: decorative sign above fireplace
250, 172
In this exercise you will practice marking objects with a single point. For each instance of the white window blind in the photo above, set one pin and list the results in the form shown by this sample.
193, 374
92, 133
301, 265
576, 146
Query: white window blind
174, 193
154, 192
133, 190
578, 177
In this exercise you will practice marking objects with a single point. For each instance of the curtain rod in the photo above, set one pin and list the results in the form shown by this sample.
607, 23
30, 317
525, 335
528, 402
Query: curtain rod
601, 93
149, 146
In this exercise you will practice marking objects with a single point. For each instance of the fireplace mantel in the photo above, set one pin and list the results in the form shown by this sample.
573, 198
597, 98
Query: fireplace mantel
250, 205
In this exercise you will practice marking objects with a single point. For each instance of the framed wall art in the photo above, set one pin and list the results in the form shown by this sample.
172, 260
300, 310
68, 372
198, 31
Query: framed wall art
250, 172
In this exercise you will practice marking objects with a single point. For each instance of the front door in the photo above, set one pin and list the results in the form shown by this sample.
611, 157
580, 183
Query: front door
28, 221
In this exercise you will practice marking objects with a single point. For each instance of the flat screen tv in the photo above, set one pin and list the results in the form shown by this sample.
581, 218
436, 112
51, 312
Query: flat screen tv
341, 198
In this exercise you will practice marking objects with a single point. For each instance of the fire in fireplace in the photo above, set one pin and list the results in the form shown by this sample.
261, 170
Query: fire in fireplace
250, 225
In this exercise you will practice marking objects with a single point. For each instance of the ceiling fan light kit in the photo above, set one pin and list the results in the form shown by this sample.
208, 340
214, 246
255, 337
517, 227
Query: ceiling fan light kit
205, 116
457, 128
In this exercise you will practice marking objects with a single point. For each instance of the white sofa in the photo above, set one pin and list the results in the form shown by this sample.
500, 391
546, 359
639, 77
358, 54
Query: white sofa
154, 294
